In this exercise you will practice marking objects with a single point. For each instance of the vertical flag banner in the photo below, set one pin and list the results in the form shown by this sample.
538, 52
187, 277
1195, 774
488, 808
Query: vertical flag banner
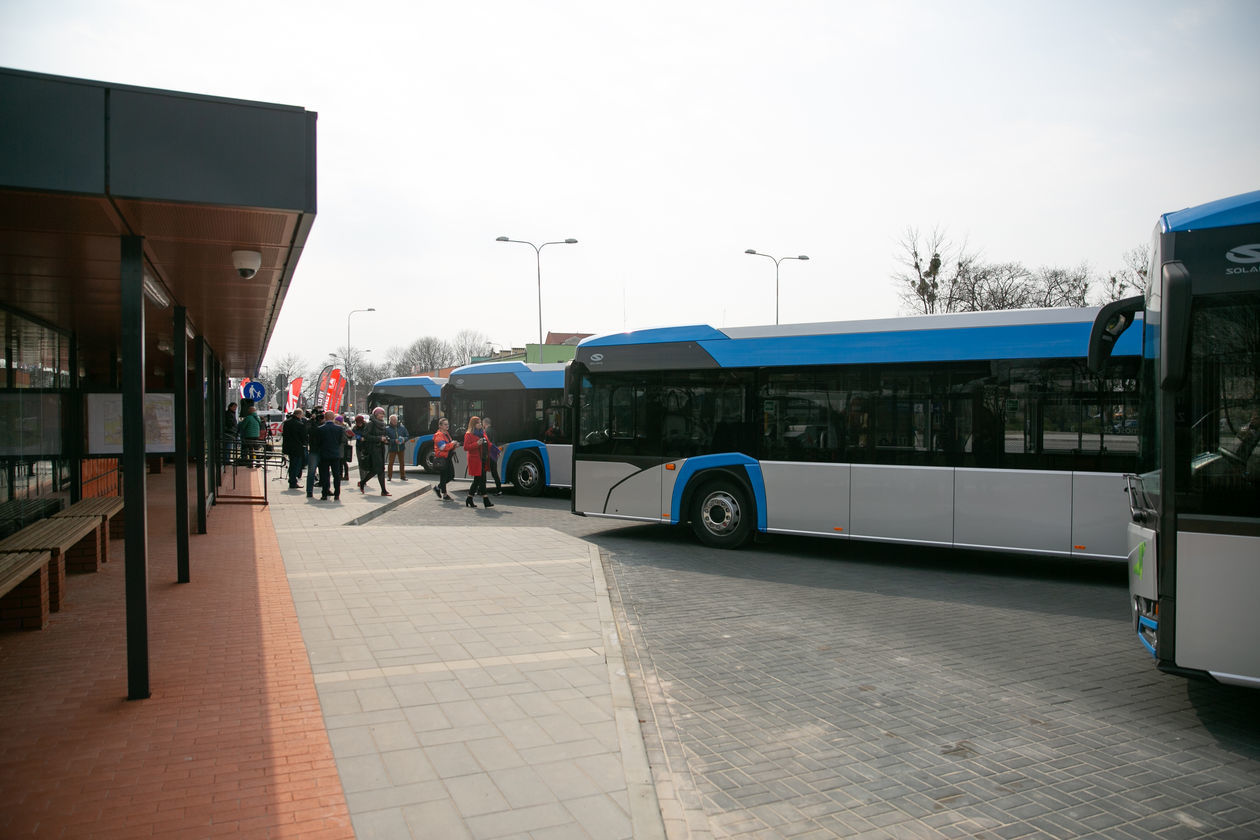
336, 388
244, 382
295, 391
321, 390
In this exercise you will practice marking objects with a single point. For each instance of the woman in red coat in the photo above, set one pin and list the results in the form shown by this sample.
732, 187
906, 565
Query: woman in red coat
478, 455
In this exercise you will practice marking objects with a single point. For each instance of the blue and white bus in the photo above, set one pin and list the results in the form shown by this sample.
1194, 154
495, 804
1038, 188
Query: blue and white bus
981, 430
525, 403
1194, 518
416, 400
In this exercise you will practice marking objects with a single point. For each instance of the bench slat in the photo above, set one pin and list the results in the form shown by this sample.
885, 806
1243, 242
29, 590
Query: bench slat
17, 566
55, 532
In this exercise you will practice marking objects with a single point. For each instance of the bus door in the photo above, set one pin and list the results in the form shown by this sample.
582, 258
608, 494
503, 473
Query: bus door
1216, 475
617, 463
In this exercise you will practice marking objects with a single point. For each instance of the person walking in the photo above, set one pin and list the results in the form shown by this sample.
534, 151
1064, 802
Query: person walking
332, 441
444, 457
373, 458
397, 445
478, 453
250, 429
294, 445
360, 424
492, 465
312, 455
347, 446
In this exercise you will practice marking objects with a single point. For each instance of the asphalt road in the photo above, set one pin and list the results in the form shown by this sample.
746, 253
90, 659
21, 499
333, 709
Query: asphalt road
811, 688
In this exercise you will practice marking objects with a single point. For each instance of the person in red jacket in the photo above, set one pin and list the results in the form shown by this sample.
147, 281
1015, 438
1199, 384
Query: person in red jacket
443, 455
478, 456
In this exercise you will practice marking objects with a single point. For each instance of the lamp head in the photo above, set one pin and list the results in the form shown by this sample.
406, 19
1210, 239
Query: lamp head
802, 257
750, 251
502, 239
570, 242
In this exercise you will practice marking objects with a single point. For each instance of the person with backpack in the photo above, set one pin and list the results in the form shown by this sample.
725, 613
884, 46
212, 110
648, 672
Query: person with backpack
397, 446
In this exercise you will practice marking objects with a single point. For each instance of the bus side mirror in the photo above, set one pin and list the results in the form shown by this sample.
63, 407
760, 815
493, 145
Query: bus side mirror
1110, 323
1174, 336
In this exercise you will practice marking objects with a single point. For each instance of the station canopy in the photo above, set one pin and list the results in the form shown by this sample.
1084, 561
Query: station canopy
84, 164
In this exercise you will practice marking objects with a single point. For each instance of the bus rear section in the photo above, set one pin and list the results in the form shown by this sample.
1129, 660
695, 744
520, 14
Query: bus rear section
1194, 531
525, 403
417, 402
982, 430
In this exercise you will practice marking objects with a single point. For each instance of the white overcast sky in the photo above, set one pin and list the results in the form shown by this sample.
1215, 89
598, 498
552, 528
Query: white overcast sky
668, 137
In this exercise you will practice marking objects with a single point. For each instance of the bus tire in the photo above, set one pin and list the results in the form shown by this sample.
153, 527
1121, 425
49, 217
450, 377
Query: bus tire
527, 475
426, 458
721, 515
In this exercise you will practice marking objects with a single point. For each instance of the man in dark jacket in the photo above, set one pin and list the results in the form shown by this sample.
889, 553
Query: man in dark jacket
372, 461
295, 442
331, 440
312, 455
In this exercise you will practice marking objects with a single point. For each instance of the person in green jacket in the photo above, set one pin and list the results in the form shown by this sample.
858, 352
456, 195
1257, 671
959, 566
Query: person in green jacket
250, 429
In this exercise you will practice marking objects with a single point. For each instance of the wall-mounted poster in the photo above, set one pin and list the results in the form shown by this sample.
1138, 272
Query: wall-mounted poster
105, 424
32, 424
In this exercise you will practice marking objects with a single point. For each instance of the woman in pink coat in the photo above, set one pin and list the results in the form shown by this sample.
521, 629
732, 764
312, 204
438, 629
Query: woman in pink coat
478, 456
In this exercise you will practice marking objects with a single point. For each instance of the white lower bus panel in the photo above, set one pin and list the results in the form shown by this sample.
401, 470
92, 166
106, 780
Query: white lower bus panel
623, 490
807, 498
902, 504
1218, 625
1014, 510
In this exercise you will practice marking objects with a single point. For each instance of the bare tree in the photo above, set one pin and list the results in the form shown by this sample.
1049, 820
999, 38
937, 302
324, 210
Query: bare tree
428, 354
469, 343
934, 272
994, 286
1131, 278
290, 366
1060, 286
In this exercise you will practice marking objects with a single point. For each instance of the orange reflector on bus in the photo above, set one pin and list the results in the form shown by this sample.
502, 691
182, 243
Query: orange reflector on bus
670, 467
664, 516
1079, 547
837, 528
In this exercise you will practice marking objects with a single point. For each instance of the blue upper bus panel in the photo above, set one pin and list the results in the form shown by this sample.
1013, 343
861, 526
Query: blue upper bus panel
431, 386
497, 376
971, 336
1225, 212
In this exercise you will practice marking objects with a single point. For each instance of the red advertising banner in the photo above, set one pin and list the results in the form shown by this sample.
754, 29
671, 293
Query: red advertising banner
295, 392
243, 383
321, 390
336, 389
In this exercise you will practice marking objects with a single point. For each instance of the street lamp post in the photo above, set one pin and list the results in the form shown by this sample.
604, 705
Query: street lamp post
776, 276
538, 265
349, 396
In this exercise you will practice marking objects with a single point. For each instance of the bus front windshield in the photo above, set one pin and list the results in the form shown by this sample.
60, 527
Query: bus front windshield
1218, 413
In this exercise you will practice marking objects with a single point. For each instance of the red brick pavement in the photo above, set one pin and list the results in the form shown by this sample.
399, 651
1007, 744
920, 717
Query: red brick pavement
231, 743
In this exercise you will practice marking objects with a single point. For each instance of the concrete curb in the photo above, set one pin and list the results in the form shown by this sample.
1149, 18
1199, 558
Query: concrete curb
386, 508
645, 809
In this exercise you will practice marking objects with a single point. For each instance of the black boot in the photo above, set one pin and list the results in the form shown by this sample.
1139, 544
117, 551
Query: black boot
485, 500
468, 502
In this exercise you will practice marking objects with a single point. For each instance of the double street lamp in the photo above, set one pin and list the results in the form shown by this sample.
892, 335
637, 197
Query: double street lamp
349, 395
777, 260
538, 265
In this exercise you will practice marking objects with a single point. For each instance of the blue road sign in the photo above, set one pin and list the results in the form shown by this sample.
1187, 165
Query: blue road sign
254, 390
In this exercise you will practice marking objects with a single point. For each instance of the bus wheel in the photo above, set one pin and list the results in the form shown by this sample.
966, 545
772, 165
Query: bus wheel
721, 516
426, 460
527, 475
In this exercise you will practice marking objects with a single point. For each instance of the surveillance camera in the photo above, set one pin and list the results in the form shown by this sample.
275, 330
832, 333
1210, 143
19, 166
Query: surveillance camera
247, 263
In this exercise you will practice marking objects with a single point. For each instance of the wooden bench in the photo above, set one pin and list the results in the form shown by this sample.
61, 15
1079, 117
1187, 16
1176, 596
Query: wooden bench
25, 596
110, 507
74, 542
15, 514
